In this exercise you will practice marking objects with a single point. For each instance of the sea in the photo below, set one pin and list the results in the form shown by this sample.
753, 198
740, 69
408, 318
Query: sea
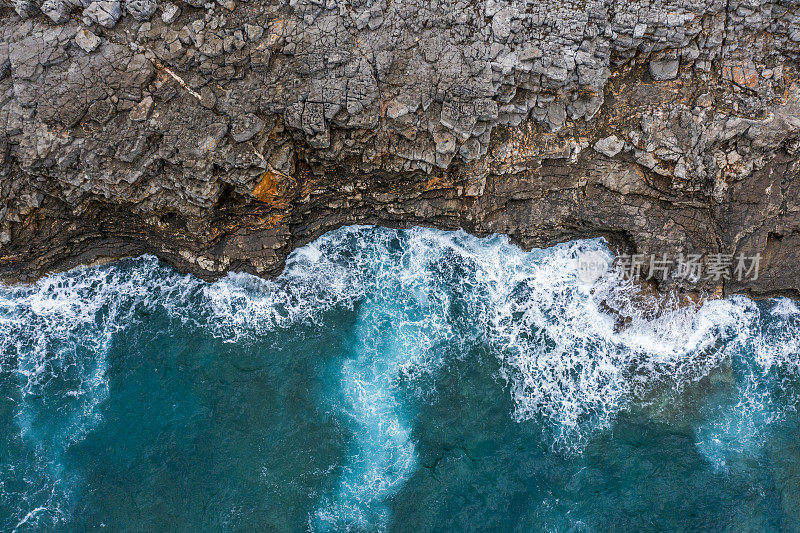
394, 380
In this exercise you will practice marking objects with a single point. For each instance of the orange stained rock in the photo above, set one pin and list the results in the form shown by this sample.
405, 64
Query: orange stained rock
435, 182
267, 188
273, 220
742, 74
276, 31
745, 76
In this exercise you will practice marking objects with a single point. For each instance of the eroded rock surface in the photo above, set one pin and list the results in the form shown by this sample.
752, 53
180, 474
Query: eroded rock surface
221, 135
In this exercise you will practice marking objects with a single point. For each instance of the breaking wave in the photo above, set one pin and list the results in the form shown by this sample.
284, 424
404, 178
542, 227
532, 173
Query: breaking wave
422, 297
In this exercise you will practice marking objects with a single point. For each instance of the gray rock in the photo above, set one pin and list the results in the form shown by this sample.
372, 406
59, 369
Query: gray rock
25, 8
57, 10
141, 9
142, 110
400, 112
253, 32
470, 150
396, 109
646, 159
169, 12
556, 115
664, 70
207, 98
245, 127
445, 143
104, 12
501, 23
87, 40
528, 52
609, 146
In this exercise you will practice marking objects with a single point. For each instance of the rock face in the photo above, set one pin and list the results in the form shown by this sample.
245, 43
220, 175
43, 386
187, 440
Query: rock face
220, 136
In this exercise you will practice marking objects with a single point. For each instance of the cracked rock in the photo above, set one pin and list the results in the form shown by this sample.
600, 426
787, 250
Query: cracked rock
470, 150
142, 110
169, 12
141, 9
104, 12
253, 32
57, 10
25, 8
207, 98
87, 40
396, 112
246, 127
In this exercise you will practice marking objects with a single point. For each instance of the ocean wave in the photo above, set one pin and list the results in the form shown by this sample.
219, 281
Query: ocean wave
422, 296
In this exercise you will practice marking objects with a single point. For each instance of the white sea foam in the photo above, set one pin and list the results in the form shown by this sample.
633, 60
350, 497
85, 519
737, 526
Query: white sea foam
765, 352
399, 327
562, 358
54, 337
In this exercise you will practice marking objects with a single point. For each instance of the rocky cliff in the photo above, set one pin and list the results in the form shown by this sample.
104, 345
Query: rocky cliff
220, 136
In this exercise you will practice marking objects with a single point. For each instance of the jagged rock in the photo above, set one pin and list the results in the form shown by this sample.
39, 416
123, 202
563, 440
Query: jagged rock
207, 98
396, 109
169, 12
245, 127
556, 115
57, 10
501, 23
141, 9
142, 110
470, 150
445, 142
609, 146
646, 159
104, 12
87, 40
253, 32
25, 8
491, 116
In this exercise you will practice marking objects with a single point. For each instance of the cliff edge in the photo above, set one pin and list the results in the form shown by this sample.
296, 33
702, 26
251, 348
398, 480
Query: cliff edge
221, 135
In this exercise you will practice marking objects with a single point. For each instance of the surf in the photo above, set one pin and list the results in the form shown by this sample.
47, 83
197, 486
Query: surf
421, 300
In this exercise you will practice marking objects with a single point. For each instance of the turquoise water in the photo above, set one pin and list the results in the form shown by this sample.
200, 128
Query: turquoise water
393, 380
